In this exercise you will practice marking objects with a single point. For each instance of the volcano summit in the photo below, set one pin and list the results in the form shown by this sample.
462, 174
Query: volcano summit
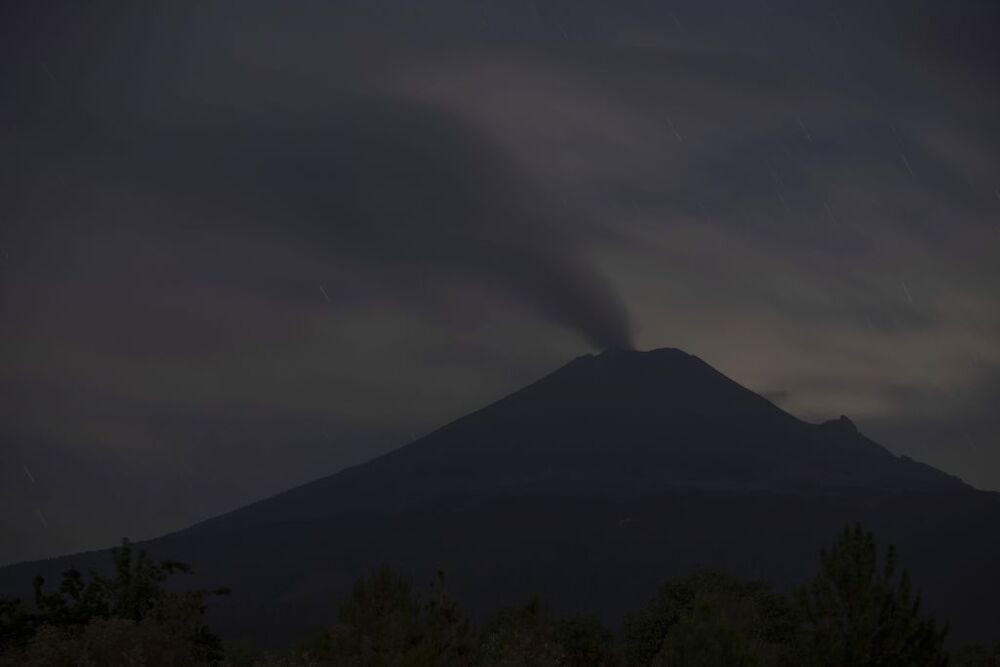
590, 487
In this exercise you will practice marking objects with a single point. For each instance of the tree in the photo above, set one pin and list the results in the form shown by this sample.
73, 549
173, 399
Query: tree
527, 634
586, 641
856, 614
447, 637
761, 616
977, 655
706, 638
385, 622
106, 641
521, 635
136, 593
17, 625
378, 624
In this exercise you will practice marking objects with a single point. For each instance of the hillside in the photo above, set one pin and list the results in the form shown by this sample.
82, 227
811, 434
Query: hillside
591, 486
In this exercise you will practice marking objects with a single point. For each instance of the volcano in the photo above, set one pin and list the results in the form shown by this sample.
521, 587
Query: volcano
590, 487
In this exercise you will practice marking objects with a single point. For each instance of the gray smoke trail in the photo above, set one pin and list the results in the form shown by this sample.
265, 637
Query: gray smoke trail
397, 185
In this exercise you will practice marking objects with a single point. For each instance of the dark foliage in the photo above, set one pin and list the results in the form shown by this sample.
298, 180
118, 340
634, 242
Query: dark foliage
585, 640
750, 609
858, 614
707, 638
976, 655
521, 635
16, 624
385, 622
528, 634
89, 610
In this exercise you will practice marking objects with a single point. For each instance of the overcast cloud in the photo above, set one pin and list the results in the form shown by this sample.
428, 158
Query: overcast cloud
244, 246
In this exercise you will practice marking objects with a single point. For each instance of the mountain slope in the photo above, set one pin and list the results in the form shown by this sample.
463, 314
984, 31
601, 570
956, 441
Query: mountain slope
620, 423
591, 486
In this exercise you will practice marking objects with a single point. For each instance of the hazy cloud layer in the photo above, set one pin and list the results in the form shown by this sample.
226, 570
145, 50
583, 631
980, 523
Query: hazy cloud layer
243, 249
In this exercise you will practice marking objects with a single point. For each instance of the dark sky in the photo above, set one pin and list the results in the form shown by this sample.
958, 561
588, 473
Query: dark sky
243, 245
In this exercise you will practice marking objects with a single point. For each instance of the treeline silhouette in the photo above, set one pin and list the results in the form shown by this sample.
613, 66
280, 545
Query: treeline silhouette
859, 610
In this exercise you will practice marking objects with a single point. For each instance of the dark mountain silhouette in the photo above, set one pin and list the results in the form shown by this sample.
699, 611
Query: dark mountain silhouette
591, 486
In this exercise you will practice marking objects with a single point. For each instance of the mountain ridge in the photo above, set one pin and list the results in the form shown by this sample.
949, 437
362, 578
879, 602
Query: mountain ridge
664, 373
531, 494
